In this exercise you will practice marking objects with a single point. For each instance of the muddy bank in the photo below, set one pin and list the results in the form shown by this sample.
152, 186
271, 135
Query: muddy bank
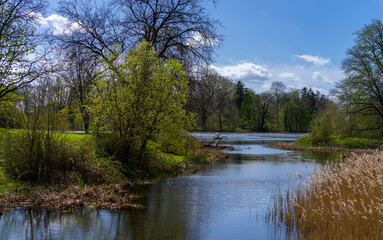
292, 146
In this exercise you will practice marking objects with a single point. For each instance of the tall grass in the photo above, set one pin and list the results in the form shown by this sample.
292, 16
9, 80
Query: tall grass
344, 201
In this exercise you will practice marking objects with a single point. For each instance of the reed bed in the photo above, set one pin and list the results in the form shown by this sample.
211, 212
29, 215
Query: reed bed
344, 201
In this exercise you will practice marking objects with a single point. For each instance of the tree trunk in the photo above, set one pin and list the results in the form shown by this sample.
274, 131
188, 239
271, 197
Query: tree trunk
85, 118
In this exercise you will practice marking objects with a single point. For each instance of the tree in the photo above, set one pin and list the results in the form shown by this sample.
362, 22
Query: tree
208, 94
249, 108
362, 88
240, 94
314, 101
178, 29
148, 104
18, 41
80, 72
277, 89
296, 117
225, 94
263, 110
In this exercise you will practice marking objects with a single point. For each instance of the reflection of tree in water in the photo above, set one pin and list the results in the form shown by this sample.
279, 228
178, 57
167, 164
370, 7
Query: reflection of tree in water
321, 157
184, 207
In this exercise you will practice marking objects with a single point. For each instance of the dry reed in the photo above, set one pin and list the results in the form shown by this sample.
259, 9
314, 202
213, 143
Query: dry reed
344, 201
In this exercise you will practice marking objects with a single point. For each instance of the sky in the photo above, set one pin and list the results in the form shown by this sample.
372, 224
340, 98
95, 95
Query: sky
299, 42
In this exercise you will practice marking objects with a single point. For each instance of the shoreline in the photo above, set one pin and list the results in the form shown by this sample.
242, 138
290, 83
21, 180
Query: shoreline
108, 196
292, 146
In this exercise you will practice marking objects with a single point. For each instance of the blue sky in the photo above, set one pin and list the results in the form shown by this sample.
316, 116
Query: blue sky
299, 42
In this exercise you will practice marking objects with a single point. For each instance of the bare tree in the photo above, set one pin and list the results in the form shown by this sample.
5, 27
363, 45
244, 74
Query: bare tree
79, 72
206, 95
179, 29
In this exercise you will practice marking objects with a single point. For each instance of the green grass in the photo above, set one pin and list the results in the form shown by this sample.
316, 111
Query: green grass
163, 164
78, 136
352, 143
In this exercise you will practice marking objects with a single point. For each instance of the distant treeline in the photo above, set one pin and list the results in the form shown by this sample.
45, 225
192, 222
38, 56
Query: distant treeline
221, 105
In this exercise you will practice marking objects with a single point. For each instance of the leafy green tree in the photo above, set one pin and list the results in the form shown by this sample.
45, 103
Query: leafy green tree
325, 125
362, 90
296, 117
240, 93
249, 108
18, 40
314, 101
277, 89
263, 109
147, 104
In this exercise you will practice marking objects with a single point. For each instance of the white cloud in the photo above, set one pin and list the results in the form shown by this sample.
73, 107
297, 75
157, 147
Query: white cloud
318, 61
319, 77
259, 77
287, 75
197, 39
246, 72
58, 23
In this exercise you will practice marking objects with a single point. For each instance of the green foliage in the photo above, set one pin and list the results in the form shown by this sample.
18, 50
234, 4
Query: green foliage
42, 157
49, 158
143, 101
360, 93
16, 34
10, 116
325, 125
296, 117
337, 141
248, 109
306, 141
362, 143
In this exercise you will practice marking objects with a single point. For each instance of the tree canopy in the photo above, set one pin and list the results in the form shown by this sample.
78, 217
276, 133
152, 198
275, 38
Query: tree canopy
361, 92
148, 104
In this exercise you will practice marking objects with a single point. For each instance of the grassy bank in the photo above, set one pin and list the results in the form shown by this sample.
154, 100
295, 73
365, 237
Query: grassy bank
339, 142
294, 147
75, 174
340, 202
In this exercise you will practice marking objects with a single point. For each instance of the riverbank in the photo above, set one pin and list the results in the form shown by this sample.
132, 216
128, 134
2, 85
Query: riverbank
292, 146
118, 195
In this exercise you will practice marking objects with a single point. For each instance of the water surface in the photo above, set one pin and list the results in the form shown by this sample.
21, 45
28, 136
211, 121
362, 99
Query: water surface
228, 199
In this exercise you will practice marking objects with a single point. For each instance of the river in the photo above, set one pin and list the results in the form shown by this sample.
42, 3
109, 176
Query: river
227, 199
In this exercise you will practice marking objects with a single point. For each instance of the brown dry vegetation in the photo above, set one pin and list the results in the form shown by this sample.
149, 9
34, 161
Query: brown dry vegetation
115, 196
213, 153
344, 201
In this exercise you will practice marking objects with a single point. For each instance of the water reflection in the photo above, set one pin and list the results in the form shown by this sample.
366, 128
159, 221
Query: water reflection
227, 200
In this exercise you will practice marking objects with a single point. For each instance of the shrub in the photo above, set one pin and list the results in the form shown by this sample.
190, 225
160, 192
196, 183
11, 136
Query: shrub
51, 158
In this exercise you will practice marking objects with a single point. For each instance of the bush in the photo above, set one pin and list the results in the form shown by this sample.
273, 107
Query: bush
305, 141
51, 158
